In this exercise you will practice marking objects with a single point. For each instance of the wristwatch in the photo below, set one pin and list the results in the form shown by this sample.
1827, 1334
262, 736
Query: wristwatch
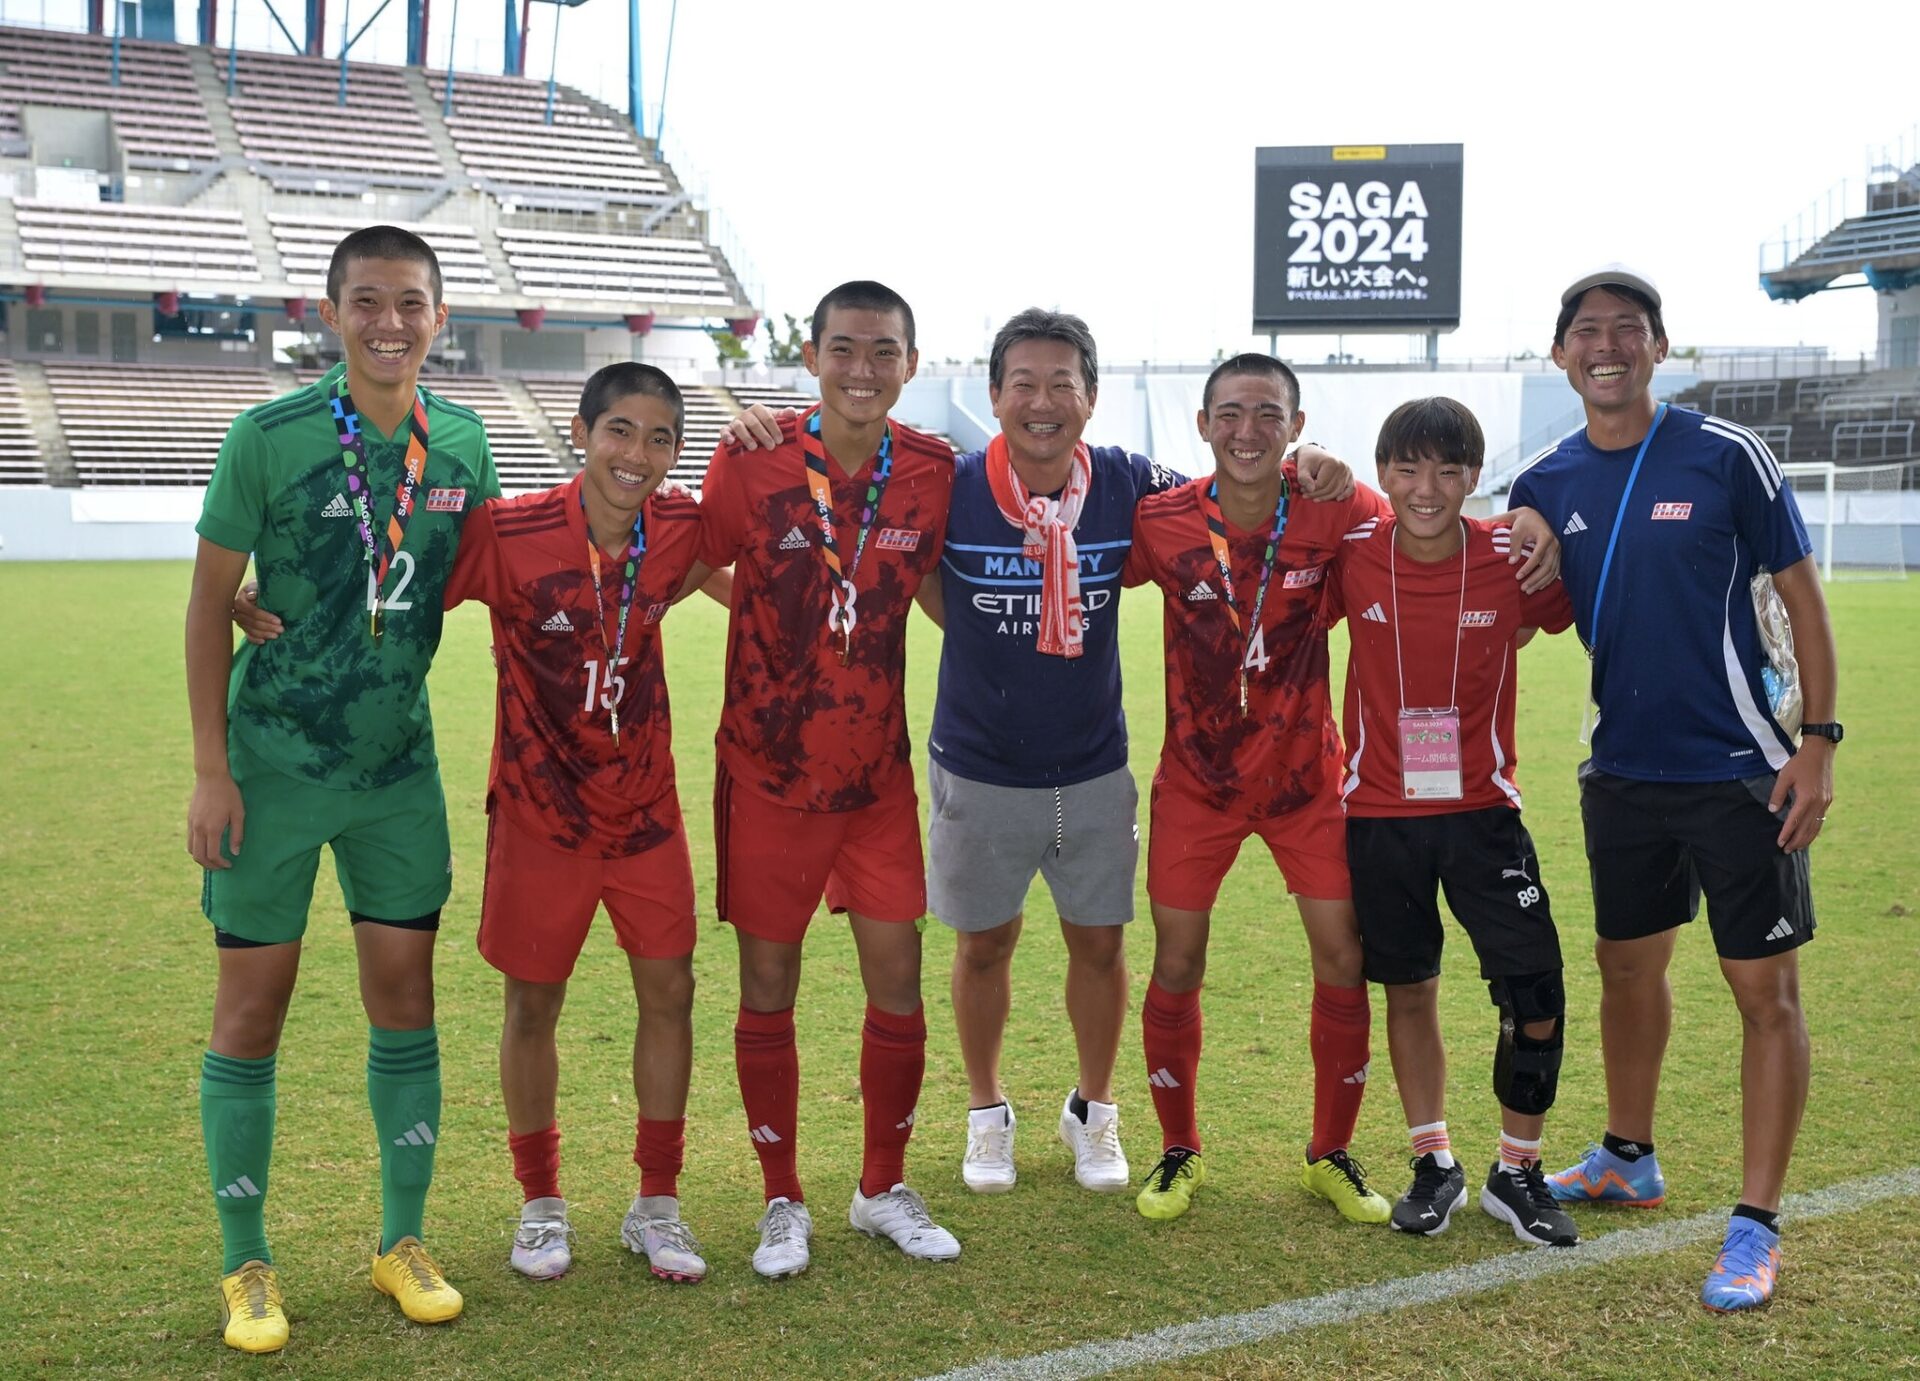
1831, 732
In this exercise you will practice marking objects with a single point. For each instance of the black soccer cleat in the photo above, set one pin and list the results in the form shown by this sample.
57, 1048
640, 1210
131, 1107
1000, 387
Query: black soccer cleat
1520, 1199
1427, 1207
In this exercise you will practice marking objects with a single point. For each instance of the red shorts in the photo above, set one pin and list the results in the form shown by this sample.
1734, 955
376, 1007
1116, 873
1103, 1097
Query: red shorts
776, 862
1190, 845
539, 900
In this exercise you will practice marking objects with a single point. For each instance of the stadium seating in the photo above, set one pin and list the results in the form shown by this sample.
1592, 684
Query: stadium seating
746, 395
521, 455
288, 115
586, 156
20, 459
306, 244
108, 415
1850, 419
157, 111
707, 413
166, 243
615, 268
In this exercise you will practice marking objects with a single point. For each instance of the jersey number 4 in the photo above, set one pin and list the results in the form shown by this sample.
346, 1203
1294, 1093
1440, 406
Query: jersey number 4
1257, 650
610, 684
402, 573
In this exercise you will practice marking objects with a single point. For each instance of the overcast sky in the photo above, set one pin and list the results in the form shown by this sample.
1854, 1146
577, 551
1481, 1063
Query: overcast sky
1098, 157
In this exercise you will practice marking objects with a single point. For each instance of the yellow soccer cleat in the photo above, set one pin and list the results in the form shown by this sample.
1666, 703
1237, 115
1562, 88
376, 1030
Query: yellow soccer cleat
252, 1318
1338, 1178
409, 1275
1170, 1185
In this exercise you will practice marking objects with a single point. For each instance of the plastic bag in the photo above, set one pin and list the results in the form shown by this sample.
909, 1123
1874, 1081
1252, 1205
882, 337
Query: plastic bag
1781, 674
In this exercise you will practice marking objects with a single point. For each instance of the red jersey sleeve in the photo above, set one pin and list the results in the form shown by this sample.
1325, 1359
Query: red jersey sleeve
477, 571
1550, 609
1139, 569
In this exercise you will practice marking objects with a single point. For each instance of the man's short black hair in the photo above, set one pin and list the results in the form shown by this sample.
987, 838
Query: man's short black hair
609, 385
380, 242
1633, 295
862, 294
1252, 364
1442, 429
1037, 323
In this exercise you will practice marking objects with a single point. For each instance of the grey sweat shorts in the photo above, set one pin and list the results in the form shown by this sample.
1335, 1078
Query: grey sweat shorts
985, 843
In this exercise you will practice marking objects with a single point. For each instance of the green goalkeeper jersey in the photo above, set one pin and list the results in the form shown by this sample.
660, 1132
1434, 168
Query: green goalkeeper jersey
326, 702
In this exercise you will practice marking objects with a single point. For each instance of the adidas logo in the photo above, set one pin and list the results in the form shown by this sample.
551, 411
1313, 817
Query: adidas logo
1574, 524
1163, 1077
337, 507
419, 1134
766, 1135
907, 1125
559, 623
1202, 591
795, 540
1359, 1076
1374, 613
242, 1188
1781, 930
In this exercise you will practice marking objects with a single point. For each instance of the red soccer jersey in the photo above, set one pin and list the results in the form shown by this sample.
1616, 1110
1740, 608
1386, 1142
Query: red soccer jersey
557, 772
799, 727
1428, 610
1277, 756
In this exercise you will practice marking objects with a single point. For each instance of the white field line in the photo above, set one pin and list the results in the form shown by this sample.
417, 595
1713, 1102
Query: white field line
1342, 1306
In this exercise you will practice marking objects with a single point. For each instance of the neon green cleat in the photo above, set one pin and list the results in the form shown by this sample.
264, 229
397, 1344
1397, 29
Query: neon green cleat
1170, 1185
1338, 1178
252, 1317
409, 1275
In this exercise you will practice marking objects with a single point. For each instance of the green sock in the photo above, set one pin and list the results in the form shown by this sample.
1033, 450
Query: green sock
403, 1087
236, 1120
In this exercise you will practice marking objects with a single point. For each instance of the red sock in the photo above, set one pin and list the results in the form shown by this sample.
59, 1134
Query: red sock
893, 1060
769, 1069
659, 1148
1338, 1033
1170, 1031
536, 1162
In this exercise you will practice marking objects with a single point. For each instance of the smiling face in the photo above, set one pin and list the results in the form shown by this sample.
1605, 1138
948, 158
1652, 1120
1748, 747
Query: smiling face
1043, 401
862, 362
386, 319
1609, 353
1249, 425
630, 448
1427, 494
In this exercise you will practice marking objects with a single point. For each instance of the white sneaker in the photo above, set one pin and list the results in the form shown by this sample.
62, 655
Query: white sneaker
1098, 1162
784, 1231
653, 1229
901, 1215
988, 1168
540, 1247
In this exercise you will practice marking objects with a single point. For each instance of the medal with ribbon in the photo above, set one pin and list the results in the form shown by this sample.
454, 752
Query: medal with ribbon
842, 596
629, 584
380, 549
1217, 535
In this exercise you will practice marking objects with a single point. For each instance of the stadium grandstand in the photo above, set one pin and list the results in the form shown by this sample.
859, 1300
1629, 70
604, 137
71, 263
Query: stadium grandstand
167, 210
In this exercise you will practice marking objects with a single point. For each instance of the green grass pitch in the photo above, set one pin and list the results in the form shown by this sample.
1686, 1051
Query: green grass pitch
111, 1249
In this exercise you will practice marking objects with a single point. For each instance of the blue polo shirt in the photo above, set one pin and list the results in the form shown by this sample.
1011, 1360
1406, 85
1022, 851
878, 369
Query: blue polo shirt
1007, 714
1677, 654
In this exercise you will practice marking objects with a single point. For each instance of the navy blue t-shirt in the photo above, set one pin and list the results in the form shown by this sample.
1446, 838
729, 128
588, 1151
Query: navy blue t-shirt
1677, 655
1006, 713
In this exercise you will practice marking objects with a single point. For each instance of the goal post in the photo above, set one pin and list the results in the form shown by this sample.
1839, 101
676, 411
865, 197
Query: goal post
1854, 515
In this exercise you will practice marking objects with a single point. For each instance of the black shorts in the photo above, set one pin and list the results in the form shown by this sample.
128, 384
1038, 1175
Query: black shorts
1653, 847
1482, 860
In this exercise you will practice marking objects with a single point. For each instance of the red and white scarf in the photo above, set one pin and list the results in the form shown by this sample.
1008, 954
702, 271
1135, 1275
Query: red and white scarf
1046, 526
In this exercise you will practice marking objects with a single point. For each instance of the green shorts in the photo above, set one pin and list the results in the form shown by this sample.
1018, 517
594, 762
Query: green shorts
390, 851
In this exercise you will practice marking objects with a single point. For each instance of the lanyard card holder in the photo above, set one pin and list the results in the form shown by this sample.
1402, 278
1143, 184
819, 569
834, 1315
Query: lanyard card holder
1430, 754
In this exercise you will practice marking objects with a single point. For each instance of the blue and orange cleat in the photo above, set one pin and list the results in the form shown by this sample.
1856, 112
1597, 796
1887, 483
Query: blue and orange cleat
1601, 1177
1743, 1276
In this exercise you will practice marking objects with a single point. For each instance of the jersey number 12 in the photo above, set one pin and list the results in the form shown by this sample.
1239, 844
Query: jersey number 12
403, 576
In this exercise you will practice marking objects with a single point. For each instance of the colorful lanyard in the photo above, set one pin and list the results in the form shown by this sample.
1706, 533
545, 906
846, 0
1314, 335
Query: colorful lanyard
1619, 514
841, 598
353, 453
1393, 584
1217, 534
629, 583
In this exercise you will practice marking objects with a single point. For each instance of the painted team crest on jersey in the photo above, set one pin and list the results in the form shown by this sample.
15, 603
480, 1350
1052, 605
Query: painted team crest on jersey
656, 612
1479, 618
1305, 576
446, 500
898, 539
1673, 512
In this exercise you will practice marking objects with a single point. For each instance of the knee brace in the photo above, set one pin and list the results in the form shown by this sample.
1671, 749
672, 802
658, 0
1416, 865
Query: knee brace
1526, 1071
